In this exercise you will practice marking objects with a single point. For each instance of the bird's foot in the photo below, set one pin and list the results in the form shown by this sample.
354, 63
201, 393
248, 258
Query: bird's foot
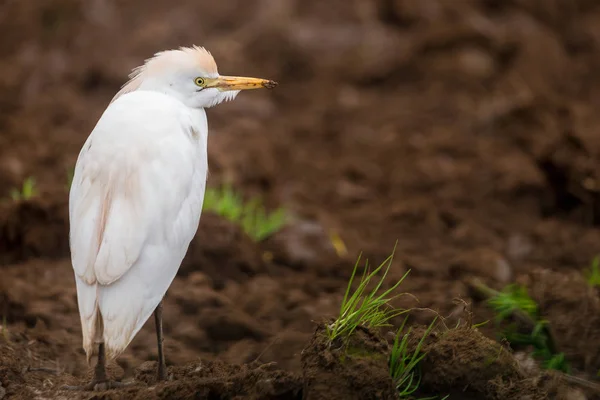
96, 386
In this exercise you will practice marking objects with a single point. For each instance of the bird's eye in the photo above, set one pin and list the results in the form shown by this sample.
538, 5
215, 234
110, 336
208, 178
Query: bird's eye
199, 82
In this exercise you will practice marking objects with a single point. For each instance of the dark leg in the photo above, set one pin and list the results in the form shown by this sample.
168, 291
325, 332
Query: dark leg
100, 381
162, 367
100, 370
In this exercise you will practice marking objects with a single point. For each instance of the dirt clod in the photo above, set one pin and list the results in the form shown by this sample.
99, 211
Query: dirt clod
354, 370
575, 325
463, 362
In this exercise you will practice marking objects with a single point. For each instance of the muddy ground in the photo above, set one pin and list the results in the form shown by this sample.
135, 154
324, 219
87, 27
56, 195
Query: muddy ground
465, 130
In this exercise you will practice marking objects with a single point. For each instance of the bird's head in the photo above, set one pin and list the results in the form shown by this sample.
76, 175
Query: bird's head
189, 74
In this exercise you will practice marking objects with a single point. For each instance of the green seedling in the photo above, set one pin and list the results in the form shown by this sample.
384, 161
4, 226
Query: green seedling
592, 275
404, 364
514, 299
259, 223
70, 175
370, 309
27, 191
251, 216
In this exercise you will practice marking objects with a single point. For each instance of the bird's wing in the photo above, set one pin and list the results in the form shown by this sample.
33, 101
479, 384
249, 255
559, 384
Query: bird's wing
131, 178
110, 214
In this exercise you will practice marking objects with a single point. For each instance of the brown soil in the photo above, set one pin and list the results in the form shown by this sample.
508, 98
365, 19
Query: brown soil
465, 130
33, 229
355, 370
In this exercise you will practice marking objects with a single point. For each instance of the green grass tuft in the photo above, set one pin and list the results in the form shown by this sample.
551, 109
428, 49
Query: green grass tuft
515, 299
592, 275
404, 364
362, 307
251, 216
512, 298
27, 191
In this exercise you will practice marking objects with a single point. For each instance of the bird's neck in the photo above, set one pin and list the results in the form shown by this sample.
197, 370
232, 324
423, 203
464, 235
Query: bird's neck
199, 122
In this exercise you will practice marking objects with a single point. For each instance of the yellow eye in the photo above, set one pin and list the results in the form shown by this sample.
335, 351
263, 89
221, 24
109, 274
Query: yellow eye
199, 81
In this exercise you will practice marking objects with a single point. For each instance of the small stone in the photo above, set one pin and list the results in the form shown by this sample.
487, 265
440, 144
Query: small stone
518, 247
302, 243
484, 262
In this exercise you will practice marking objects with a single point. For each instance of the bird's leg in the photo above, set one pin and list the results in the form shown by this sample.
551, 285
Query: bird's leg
162, 367
100, 380
100, 370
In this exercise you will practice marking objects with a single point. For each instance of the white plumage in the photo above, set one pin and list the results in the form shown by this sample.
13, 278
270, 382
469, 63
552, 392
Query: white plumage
137, 194
135, 204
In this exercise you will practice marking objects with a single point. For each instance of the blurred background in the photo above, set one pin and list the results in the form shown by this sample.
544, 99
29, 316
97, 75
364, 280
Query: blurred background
465, 130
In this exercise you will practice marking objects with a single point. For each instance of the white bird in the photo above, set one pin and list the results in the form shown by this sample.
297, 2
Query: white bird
137, 194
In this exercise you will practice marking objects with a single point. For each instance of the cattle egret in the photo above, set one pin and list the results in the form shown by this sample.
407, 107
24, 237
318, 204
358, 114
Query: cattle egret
136, 197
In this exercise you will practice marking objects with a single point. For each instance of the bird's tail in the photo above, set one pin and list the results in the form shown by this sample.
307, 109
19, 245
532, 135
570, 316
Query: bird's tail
92, 326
